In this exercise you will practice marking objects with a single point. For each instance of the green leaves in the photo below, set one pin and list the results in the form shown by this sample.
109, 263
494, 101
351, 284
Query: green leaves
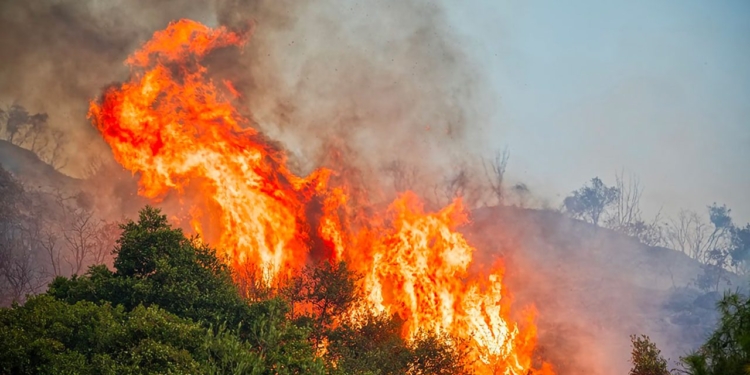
169, 307
646, 357
158, 265
49, 336
727, 351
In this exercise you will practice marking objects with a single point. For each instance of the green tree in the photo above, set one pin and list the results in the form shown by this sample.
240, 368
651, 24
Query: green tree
49, 336
727, 351
156, 265
170, 306
646, 357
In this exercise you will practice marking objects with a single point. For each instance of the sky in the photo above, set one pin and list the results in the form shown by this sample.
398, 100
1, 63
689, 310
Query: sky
659, 89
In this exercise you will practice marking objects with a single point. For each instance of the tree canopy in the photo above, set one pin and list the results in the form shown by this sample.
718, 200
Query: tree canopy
589, 202
171, 306
727, 350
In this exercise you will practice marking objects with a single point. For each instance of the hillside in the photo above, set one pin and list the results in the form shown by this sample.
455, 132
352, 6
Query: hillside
594, 287
31, 170
112, 189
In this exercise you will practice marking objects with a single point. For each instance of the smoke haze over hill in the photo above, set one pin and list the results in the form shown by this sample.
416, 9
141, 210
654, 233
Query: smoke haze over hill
395, 96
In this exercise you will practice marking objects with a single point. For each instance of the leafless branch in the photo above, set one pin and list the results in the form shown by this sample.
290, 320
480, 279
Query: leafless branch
494, 171
404, 177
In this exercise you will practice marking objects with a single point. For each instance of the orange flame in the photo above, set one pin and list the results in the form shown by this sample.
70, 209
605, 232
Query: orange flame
171, 124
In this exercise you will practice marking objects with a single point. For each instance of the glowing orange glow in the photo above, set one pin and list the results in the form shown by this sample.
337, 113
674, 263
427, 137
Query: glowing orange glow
180, 132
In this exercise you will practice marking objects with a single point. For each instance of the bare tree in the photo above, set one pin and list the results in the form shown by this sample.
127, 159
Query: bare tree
15, 118
456, 185
79, 235
626, 208
50, 243
692, 235
20, 126
36, 138
625, 215
494, 170
688, 233
77, 227
104, 240
32, 132
53, 154
404, 177
19, 272
22, 273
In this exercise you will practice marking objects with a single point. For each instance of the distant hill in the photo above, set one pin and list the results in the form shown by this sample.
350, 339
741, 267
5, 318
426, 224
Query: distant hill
113, 189
27, 166
594, 287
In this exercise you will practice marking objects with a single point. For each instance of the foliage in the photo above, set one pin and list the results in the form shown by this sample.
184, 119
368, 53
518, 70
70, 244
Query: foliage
589, 202
740, 247
157, 265
49, 336
716, 249
716, 243
171, 306
727, 351
646, 357
322, 297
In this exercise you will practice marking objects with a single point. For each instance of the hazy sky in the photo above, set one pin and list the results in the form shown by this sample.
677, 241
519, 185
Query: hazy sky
586, 88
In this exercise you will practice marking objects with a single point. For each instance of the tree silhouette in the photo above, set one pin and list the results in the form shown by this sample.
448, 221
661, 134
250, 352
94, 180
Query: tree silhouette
589, 202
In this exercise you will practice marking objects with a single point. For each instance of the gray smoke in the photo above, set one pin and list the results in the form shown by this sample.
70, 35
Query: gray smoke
386, 78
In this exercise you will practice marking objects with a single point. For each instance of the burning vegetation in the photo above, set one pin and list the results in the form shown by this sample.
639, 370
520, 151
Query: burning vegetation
179, 131
279, 245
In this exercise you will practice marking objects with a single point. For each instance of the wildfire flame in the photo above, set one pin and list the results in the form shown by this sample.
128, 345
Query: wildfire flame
179, 130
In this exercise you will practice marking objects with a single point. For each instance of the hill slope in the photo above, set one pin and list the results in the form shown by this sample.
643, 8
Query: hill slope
594, 287
27, 166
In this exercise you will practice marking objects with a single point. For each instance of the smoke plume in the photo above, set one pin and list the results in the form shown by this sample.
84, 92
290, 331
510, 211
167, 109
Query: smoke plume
386, 78
380, 90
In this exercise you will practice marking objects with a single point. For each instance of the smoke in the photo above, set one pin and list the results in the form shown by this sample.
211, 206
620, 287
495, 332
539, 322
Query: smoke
382, 74
594, 287
386, 78
359, 84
